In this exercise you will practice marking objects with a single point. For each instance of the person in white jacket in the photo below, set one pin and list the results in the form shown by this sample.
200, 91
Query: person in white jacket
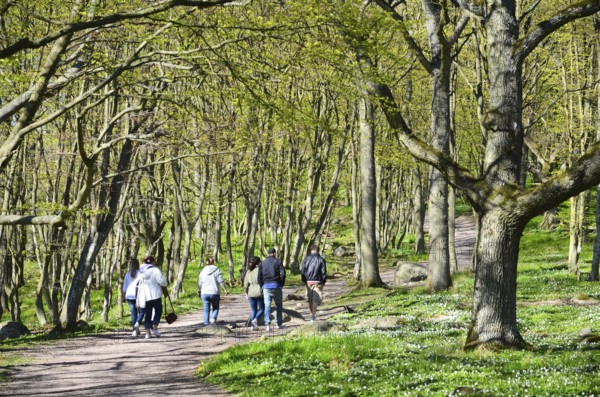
150, 295
209, 282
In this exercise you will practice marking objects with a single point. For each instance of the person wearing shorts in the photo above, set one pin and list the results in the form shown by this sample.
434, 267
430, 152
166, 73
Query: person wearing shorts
314, 276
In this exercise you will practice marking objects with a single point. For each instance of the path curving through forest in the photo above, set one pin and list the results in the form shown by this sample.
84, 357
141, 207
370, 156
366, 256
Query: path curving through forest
115, 364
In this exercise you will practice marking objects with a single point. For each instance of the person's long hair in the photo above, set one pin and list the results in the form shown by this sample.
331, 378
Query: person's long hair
134, 266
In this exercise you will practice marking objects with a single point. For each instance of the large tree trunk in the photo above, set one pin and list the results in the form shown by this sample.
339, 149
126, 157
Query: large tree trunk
494, 303
494, 318
502, 206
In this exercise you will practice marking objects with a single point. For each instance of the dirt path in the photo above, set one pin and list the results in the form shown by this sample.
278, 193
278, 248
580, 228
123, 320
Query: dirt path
115, 364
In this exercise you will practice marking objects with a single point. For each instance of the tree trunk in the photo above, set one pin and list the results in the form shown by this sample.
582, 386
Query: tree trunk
94, 243
369, 266
315, 238
290, 192
494, 318
575, 231
439, 246
356, 210
594, 273
418, 212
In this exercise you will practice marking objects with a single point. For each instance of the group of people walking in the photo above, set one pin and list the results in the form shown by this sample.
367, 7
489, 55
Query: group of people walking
263, 286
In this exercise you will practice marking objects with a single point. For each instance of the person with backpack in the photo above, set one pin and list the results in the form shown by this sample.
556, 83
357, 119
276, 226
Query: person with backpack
210, 282
254, 292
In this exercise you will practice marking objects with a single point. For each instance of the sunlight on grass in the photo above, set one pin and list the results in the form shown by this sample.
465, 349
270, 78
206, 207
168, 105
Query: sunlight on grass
409, 343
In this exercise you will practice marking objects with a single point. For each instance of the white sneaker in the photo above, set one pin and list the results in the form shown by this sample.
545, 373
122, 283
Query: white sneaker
268, 329
212, 320
134, 333
254, 323
147, 335
136, 328
155, 332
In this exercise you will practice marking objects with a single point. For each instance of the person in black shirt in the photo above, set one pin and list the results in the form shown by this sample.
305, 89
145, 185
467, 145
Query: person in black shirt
314, 276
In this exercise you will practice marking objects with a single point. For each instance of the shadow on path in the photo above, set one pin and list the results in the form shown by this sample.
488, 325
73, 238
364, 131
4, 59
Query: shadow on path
116, 364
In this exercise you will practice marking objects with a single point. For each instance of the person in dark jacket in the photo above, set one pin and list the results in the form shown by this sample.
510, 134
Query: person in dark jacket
271, 277
314, 276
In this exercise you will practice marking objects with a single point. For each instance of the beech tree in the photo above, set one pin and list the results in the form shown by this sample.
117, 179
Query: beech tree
35, 33
503, 206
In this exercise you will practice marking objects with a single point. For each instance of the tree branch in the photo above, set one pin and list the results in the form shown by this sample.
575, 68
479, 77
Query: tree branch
583, 175
74, 27
549, 26
412, 44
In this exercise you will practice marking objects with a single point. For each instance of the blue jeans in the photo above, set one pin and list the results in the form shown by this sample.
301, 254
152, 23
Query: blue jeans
257, 306
209, 300
153, 313
273, 294
134, 312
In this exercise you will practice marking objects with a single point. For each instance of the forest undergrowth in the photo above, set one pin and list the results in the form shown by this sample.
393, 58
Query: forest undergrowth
410, 343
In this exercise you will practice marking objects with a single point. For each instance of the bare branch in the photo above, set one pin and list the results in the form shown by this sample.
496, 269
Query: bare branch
412, 44
551, 25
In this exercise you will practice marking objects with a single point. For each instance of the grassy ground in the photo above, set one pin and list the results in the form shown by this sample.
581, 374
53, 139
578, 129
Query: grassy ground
409, 343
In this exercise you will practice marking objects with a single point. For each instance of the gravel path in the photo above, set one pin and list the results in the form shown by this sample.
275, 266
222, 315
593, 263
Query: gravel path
115, 364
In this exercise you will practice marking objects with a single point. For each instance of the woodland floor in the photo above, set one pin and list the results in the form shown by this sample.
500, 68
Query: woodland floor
115, 364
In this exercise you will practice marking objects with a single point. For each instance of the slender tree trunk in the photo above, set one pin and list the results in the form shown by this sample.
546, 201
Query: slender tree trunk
290, 193
332, 194
228, 215
356, 206
94, 243
369, 274
595, 271
575, 231
418, 212
439, 245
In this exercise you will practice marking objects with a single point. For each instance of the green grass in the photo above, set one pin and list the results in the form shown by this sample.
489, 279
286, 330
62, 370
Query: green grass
419, 350
410, 343
419, 354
